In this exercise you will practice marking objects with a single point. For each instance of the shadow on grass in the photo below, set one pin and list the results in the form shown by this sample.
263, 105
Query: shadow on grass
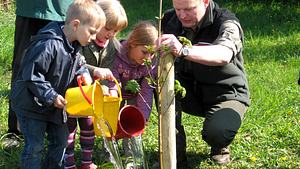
268, 35
194, 159
298, 152
10, 158
265, 18
5, 77
5, 93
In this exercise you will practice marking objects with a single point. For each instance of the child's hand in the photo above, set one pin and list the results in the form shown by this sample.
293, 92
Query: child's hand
113, 93
86, 79
105, 90
60, 102
103, 74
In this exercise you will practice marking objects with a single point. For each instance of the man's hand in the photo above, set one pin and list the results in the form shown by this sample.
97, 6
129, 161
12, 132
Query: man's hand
173, 43
59, 102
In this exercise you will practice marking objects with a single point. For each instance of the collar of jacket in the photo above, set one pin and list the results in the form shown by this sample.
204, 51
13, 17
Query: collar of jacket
55, 30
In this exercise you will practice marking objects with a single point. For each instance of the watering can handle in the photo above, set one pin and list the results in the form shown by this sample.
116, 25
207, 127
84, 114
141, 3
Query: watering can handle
119, 88
79, 81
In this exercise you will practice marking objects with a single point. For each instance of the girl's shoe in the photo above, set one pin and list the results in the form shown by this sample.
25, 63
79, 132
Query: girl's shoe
72, 167
89, 166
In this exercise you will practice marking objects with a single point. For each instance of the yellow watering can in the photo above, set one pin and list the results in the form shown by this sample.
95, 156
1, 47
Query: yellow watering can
109, 120
84, 101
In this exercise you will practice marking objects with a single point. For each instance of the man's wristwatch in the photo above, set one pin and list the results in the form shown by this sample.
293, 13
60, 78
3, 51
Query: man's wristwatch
185, 51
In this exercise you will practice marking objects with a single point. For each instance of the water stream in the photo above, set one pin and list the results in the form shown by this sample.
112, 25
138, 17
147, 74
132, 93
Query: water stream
133, 149
111, 147
135, 155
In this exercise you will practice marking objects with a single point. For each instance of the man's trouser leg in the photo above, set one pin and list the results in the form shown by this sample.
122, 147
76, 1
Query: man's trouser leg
180, 143
222, 122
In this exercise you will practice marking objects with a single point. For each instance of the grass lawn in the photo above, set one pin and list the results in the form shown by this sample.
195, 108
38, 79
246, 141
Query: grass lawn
270, 134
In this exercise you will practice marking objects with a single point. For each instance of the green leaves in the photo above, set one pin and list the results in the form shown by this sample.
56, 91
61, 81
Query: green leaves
133, 86
147, 62
165, 48
185, 41
150, 48
179, 90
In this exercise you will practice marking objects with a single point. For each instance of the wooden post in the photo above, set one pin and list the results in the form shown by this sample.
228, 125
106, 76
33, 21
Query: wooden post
166, 108
167, 127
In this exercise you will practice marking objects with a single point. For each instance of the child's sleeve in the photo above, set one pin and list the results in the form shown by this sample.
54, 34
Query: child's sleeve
111, 84
144, 102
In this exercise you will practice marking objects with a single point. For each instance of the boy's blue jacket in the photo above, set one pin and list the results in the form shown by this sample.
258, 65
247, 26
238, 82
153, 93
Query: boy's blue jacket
50, 64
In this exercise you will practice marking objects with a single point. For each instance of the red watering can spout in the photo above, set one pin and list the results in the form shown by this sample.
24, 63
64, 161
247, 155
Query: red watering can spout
131, 122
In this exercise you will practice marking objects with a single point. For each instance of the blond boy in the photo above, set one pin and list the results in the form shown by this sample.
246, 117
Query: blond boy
52, 63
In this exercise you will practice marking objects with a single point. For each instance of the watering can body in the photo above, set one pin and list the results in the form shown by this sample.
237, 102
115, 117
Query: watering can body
109, 121
77, 104
84, 101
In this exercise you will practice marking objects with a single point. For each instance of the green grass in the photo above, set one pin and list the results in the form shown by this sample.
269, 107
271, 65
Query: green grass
6, 40
270, 134
148, 10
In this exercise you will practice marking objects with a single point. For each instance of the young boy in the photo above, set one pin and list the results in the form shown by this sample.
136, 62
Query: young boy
52, 63
99, 55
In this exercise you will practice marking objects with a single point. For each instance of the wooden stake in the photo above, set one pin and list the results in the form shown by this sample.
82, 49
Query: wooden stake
167, 113
166, 107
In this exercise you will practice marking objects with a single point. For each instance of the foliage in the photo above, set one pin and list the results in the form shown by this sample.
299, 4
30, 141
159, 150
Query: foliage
6, 37
288, 2
133, 86
148, 10
184, 41
164, 48
151, 50
179, 90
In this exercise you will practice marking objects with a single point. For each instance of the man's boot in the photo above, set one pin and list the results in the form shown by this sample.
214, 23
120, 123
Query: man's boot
220, 156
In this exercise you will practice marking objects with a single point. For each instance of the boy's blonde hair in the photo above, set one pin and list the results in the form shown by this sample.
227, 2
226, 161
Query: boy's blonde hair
116, 17
144, 33
86, 11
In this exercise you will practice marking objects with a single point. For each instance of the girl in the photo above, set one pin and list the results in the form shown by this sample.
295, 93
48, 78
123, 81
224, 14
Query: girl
129, 65
100, 53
